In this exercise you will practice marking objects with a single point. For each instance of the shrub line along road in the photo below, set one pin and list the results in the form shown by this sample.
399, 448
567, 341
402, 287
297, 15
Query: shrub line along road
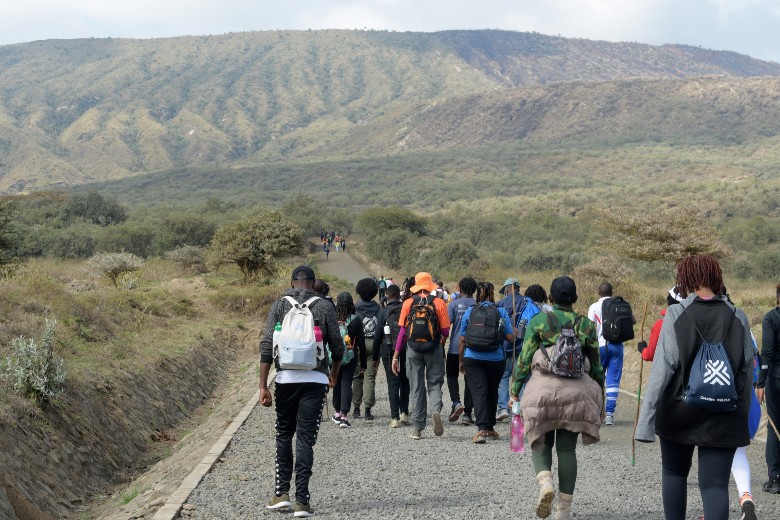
373, 471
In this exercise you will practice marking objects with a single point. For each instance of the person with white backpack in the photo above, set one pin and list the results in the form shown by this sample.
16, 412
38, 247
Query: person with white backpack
298, 327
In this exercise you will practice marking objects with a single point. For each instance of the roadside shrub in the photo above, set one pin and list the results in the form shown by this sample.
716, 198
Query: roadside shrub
192, 258
32, 369
114, 265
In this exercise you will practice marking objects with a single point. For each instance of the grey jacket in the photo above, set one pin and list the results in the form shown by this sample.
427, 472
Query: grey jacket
322, 310
666, 368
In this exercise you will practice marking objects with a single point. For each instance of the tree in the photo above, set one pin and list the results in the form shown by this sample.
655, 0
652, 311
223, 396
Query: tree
114, 265
378, 220
8, 240
660, 235
254, 244
94, 208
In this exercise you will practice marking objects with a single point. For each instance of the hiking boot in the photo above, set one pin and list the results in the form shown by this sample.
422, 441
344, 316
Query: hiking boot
344, 423
336, 419
303, 510
503, 414
467, 419
546, 494
279, 502
404, 419
356, 413
563, 508
609, 420
492, 435
368, 416
438, 427
748, 507
772, 485
416, 434
479, 438
395, 423
457, 409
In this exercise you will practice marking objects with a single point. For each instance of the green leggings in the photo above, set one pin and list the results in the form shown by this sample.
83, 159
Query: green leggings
567, 458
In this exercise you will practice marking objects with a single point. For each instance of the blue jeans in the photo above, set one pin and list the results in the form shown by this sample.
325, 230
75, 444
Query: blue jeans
503, 386
612, 361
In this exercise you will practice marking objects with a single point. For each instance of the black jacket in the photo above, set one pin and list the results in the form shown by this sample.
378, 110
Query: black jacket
770, 348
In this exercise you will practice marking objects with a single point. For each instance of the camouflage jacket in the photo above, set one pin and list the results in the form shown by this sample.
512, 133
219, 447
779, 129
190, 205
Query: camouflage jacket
540, 333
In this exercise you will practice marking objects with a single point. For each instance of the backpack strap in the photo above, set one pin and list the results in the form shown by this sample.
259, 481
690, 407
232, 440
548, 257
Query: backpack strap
292, 301
311, 301
725, 335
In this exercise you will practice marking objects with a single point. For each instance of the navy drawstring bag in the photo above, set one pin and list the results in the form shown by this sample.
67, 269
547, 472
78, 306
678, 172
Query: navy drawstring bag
711, 381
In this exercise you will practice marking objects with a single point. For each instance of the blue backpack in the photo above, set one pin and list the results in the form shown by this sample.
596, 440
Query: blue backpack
525, 312
711, 381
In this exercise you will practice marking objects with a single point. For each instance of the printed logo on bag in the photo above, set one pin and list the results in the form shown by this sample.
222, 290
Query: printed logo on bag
717, 373
369, 326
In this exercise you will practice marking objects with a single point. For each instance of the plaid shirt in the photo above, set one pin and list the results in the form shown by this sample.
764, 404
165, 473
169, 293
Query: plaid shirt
539, 333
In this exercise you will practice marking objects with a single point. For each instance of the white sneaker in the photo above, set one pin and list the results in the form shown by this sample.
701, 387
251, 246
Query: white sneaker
503, 414
609, 420
394, 423
405, 419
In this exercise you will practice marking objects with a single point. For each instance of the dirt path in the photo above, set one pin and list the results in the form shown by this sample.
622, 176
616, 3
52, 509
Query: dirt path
342, 265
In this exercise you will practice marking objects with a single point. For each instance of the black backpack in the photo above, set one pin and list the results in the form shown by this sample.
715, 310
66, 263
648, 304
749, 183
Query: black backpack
484, 332
422, 324
393, 316
617, 320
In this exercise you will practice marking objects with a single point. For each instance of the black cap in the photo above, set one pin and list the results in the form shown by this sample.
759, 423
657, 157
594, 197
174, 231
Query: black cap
563, 290
303, 272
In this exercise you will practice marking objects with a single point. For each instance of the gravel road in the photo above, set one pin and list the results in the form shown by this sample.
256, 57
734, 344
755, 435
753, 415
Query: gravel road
373, 471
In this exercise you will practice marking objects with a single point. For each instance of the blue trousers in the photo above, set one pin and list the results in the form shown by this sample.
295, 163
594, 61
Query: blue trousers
503, 386
612, 361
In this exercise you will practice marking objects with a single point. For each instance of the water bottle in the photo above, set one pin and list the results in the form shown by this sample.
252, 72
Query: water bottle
387, 339
318, 339
275, 339
517, 443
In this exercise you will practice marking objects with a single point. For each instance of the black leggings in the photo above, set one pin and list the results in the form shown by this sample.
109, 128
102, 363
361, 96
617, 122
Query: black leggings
342, 392
714, 472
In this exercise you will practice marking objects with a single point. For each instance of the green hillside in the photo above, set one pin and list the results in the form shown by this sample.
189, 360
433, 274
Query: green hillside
79, 111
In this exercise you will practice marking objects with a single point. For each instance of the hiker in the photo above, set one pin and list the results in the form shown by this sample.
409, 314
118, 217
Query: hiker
455, 311
299, 393
364, 383
521, 309
382, 284
539, 296
483, 330
679, 402
611, 352
351, 330
322, 289
344, 244
557, 408
384, 342
425, 328
769, 388
740, 466
327, 252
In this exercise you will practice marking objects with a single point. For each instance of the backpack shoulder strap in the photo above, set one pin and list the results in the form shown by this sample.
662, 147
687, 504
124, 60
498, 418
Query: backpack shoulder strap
311, 301
690, 317
731, 321
292, 301
552, 320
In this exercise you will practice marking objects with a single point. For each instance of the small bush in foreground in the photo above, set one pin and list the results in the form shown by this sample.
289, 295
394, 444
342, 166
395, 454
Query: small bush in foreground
114, 265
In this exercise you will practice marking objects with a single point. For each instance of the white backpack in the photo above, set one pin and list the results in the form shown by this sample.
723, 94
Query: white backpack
297, 347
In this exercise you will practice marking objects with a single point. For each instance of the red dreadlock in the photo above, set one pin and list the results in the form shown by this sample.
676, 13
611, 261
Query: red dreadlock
697, 271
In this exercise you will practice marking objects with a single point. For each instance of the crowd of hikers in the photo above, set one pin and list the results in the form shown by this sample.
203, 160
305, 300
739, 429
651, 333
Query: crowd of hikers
329, 238
528, 354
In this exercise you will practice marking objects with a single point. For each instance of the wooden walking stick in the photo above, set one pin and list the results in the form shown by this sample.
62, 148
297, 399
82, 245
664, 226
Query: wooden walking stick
639, 391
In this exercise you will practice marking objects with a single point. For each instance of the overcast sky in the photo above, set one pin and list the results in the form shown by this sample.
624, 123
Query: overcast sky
746, 26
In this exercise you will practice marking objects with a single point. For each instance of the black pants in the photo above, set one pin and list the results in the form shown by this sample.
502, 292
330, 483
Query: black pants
298, 411
714, 473
453, 373
342, 392
397, 385
772, 397
483, 377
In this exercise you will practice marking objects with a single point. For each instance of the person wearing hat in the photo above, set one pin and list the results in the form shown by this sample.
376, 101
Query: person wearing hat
424, 359
299, 394
555, 409
514, 304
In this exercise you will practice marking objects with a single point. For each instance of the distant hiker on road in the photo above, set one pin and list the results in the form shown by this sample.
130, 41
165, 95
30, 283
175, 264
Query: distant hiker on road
302, 381
364, 383
426, 327
327, 252
351, 330
769, 388
382, 284
455, 311
611, 346
698, 394
565, 395
384, 342
483, 330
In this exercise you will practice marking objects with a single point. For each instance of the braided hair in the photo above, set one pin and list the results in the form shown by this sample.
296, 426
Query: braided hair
485, 292
345, 307
695, 271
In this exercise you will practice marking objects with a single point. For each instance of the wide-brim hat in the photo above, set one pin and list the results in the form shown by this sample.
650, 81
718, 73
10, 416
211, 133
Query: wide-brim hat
507, 283
423, 282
